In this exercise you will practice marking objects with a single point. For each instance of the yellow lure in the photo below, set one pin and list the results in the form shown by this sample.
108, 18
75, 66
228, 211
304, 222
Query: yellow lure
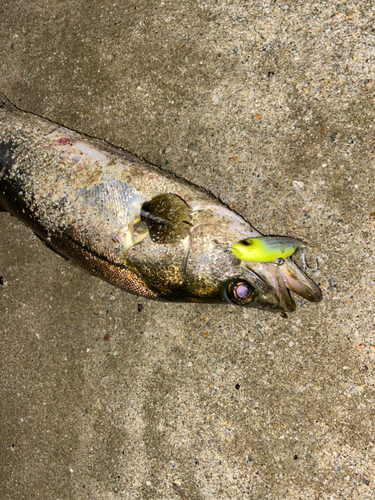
266, 248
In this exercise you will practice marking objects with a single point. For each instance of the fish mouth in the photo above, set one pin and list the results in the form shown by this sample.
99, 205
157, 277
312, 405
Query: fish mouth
283, 279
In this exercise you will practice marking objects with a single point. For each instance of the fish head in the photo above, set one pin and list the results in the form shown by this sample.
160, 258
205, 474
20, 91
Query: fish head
214, 274
188, 256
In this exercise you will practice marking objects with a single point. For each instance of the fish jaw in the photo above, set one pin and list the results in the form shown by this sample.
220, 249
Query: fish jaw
298, 282
285, 279
270, 275
266, 297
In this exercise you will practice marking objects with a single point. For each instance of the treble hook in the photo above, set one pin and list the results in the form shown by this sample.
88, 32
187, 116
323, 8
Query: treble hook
305, 266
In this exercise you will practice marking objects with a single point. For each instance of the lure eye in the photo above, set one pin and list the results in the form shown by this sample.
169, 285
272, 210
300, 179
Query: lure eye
246, 243
238, 292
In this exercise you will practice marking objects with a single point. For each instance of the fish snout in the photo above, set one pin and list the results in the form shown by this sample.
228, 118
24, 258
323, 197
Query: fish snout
283, 279
298, 282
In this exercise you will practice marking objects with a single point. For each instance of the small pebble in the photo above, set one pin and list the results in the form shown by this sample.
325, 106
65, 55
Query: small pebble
299, 185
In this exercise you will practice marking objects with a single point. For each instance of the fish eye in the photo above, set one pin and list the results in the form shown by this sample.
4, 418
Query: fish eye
238, 292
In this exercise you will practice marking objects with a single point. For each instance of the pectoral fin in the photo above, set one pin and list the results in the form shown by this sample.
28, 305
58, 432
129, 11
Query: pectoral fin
167, 217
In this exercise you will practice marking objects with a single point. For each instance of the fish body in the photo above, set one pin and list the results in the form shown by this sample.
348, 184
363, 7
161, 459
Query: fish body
266, 248
130, 223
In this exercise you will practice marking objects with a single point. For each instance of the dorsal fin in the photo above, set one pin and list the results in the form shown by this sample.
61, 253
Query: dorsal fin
167, 217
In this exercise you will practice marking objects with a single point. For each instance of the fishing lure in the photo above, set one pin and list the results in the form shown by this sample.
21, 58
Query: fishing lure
270, 249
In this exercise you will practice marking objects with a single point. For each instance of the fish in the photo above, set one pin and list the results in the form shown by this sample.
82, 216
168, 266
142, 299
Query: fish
133, 224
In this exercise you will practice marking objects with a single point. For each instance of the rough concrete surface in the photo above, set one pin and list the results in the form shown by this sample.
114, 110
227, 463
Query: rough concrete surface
270, 106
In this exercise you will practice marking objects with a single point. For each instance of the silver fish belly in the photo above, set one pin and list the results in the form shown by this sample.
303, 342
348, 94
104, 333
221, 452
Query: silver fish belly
130, 223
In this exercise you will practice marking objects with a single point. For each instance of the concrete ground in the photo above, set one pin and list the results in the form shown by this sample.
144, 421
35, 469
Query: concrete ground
269, 105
